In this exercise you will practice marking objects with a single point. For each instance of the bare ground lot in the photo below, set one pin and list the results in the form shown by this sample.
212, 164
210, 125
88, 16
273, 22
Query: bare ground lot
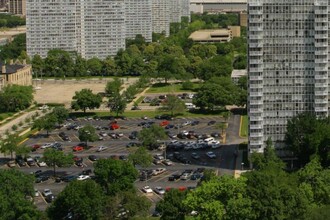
62, 91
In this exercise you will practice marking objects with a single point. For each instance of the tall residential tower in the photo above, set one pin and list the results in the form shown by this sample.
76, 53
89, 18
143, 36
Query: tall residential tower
287, 65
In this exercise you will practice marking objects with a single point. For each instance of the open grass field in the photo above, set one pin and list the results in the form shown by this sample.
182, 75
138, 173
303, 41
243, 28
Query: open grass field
170, 88
244, 126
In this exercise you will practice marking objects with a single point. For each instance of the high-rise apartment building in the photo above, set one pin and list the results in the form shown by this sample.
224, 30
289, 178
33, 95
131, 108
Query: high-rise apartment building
91, 28
17, 7
161, 16
138, 18
287, 65
185, 8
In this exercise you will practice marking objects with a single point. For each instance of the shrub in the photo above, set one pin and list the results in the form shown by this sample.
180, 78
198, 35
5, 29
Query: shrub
14, 127
20, 124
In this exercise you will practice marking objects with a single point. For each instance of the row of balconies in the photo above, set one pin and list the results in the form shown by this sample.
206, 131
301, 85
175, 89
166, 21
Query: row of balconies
255, 77
256, 86
321, 101
321, 76
255, 12
321, 19
321, 60
321, 109
321, 44
321, 52
321, 28
256, 69
321, 11
256, 94
255, 28
325, 92
255, 61
255, 53
321, 36
256, 102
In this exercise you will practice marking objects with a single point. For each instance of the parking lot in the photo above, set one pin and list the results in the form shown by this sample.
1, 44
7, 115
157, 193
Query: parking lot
116, 141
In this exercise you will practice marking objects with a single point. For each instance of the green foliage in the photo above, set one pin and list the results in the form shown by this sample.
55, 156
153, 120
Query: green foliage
94, 66
141, 157
87, 133
113, 87
9, 144
173, 105
172, 206
318, 213
240, 62
115, 176
136, 205
217, 92
60, 114
47, 122
13, 49
57, 158
14, 98
83, 199
217, 66
85, 99
14, 127
222, 20
58, 63
117, 103
15, 188
11, 21
150, 136
188, 85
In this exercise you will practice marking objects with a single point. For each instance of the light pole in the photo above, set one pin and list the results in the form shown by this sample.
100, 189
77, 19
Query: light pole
242, 166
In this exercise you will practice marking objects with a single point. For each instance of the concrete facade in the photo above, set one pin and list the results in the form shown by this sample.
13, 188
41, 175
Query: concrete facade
17, 7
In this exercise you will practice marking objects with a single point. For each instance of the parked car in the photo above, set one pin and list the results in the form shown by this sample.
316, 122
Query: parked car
41, 164
135, 108
101, 148
47, 192
211, 155
77, 148
64, 136
30, 161
46, 145
195, 156
185, 176
50, 198
92, 157
159, 190
174, 177
168, 162
41, 178
147, 189
11, 163
164, 123
83, 177
133, 135
211, 122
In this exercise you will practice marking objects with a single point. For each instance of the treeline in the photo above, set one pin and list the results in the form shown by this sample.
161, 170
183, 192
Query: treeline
15, 49
15, 98
222, 20
10, 21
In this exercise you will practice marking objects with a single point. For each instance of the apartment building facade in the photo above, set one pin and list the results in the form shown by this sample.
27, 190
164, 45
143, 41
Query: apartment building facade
287, 65
138, 18
161, 16
17, 7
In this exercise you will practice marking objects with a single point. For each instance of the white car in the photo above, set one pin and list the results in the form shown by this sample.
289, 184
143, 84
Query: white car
147, 189
46, 145
186, 123
42, 164
184, 132
47, 192
168, 162
159, 171
159, 190
211, 155
43, 107
36, 193
83, 177
101, 148
214, 146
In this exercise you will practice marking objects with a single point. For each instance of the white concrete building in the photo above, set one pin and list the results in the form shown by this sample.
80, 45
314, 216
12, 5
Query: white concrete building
201, 6
138, 18
92, 28
161, 16
287, 65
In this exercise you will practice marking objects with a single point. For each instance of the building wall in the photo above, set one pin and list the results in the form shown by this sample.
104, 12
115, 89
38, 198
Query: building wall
22, 77
243, 19
138, 18
17, 7
287, 65
161, 16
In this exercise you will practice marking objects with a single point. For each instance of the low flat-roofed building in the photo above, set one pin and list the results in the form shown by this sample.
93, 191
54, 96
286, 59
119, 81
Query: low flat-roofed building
236, 74
215, 35
216, 6
16, 73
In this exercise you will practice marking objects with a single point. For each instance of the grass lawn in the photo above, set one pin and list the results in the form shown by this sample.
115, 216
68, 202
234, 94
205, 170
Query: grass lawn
139, 100
168, 88
3, 116
244, 126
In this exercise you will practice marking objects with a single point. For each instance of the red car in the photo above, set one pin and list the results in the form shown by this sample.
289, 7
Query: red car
114, 126
164, 123
35, 147
77, 148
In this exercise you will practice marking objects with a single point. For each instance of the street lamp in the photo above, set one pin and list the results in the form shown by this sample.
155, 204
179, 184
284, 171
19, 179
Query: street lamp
242, 166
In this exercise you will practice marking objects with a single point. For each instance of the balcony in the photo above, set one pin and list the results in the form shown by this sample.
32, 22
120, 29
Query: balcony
321, 101
321, 19
258, 69
255, 12
255, 20
255, 53
321, 36
255, 110
321, 77
256, 102
321, 60
255, 28
321, 28
256, 126
317, 68
321, 44
256, 86
321, 109
254, 45
325, 92
321, 85
256, 94
256, 118
255, 77
256, 134
321, 52
252, 61
256, 37
321, 11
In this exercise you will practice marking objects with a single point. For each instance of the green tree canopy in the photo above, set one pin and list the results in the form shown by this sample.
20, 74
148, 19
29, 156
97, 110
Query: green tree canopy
9, 144
113, 87
150, 136
173, 105
83, 199
87, 133
56, 158
115, 176
14, 98
16, 188
141, 157
60, 114
172, 206
46, 122
85, 99
117, 103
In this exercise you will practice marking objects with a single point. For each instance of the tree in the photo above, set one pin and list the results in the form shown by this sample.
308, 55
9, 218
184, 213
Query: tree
109, 66
9, 144
150, 136
172, 207
117, 103
37, 65
87, 133
56, 158
58, 63
222, 126
115, 176
15, 98
85, 99
226, 115
141, 157
173, 105
83, 199
94, 66
47, 122
60, 114
16, 188
135, 205
113, 87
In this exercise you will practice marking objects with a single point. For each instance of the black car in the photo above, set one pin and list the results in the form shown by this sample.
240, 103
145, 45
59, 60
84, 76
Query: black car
64, 136
194, 123
196, 176
132, 144
211, 122
169, 126
174, 177
86, 172
40, 179
133, 135
68, 178
215, 134
92, 157
50, 198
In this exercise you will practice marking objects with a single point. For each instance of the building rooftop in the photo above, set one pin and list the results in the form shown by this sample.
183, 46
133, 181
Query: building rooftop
238, 73
11, 68
210, 35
